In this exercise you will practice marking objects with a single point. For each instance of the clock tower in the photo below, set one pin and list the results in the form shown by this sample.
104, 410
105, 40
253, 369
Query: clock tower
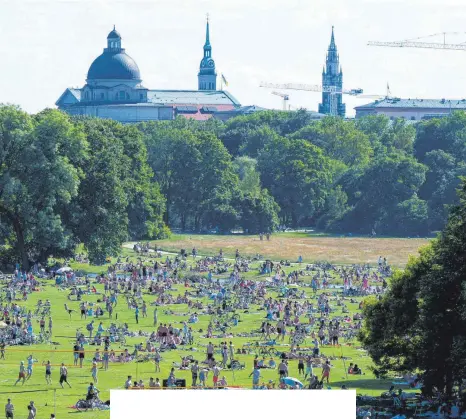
207, 77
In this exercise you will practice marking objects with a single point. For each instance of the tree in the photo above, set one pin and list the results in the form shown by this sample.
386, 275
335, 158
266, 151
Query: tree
117, 199
196, 176
298, 176
340, 139
249, 178
38, 177
387, 135
420, 324
259, 213
374, 193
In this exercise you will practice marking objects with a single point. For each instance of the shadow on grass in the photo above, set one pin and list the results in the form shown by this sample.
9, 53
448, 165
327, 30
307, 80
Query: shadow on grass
364, 384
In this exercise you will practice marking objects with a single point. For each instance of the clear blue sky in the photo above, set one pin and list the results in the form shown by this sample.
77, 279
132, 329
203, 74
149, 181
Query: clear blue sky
48, 45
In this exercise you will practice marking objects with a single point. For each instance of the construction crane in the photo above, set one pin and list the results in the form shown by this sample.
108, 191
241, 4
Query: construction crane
285, 98
325, 89
418, 43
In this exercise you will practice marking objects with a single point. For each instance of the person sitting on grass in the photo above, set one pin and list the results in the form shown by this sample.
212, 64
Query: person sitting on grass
357, 370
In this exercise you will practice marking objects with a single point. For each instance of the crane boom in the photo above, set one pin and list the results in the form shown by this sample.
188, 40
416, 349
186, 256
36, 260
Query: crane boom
311, 88
410, 44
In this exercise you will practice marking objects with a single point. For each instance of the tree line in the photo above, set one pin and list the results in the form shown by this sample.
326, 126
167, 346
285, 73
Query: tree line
68, 180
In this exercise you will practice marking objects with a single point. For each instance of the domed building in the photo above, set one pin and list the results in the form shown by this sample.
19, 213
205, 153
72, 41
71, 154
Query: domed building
114, 90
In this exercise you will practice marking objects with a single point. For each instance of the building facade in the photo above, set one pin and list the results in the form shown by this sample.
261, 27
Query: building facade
114, 90
332, 80
411, 109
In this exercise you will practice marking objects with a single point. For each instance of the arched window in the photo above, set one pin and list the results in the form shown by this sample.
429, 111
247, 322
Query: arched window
102, 96
122, 95
87, 95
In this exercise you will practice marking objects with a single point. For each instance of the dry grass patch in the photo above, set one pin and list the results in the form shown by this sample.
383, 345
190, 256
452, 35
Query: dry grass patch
345, 250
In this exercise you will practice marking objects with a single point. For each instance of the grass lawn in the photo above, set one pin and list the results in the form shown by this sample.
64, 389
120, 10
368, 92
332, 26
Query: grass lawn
312, 247
65, 329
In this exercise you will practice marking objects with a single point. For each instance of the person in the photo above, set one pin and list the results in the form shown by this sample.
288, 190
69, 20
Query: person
92, 392
309, 371
81, 355
52, 416
30, 413
48, 373
157, 360
155, 316
33, 409
136, 314
31, 361
75, 354
2, 350
94, 371
300, 366
9, 409
256, 375
64, 375
282, 369
216, 374
151, 383
22, 373
194, 373
171, 382
357, 370
326, 371
128, 382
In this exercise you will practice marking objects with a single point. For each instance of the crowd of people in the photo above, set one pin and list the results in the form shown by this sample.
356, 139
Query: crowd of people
306, 309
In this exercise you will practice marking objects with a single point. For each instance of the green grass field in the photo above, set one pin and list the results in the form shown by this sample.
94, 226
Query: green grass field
64, 332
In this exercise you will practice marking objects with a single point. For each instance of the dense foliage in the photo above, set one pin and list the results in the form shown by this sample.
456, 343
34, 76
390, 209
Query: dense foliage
64, 182
420, 323
343, 176
67, 180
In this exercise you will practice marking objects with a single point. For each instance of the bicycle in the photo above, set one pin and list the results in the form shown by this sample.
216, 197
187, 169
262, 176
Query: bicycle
83, 405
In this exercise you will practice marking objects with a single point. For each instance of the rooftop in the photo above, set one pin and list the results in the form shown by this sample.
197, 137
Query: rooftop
191, 97
416, 103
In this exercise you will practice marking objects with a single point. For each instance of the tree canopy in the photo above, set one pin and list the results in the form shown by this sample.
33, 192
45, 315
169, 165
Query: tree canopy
420, 323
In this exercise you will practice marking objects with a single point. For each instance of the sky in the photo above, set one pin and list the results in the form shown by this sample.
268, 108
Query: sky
48, 45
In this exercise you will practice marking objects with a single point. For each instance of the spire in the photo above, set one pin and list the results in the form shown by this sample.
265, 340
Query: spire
332, 40
207, 34
207, 77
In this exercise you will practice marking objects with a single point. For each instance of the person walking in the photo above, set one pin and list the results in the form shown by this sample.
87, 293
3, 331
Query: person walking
32, 410
81, 355
64, 375
94, 372
194, 373
155, 316
22, 373
9, 409
136, 314
48, 373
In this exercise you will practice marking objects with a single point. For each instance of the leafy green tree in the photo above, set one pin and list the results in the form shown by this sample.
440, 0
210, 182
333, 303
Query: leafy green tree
374, 193
37, 179
340, 139
420, 324
195, 174
259, 213
249, 178
298, 176
386, 135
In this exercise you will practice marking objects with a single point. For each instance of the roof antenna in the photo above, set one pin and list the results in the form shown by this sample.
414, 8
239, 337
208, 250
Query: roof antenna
113, 26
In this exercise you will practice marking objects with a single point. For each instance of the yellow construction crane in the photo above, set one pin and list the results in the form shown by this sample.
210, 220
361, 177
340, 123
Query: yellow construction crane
285, 98
419, 43
318, 88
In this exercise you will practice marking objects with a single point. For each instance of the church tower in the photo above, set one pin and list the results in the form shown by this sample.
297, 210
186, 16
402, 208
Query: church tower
207, 77
332, 79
